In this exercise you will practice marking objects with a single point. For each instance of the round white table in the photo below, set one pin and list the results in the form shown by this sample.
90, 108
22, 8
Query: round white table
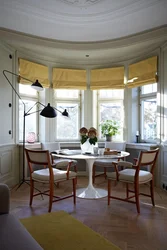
90, 192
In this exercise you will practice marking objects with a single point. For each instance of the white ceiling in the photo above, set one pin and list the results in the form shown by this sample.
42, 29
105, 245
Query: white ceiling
67, 30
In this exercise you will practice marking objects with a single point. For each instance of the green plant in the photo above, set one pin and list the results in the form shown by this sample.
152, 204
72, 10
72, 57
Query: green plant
109, 127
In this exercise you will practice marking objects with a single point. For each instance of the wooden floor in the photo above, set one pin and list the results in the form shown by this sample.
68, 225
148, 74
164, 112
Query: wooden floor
119, 222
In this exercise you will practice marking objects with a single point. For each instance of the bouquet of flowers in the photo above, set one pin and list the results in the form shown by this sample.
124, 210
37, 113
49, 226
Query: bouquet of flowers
90, 134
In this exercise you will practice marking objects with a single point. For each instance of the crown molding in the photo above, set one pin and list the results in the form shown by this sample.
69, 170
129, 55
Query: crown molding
88, 62
156, 33
101, 53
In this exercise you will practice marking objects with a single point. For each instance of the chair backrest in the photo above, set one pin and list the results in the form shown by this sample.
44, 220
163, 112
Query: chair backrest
148, 158
37, 157
41, 157
51, 146
116, 145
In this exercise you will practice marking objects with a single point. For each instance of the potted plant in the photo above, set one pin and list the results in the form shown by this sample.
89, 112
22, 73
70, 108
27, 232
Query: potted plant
109, 128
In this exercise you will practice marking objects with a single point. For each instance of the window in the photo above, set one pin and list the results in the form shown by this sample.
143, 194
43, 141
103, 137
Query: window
29, 96
148, 112
110, 107
67, 129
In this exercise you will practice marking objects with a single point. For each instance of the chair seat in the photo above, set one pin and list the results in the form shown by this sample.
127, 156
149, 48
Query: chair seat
128, 175
62, 163
104, 162
59, 175
124, 164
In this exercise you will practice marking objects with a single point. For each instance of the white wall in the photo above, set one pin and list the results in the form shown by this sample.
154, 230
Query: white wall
9, 160
6, 97
9, 163
163, 117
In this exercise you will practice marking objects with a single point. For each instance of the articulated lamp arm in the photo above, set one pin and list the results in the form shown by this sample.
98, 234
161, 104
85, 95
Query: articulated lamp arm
48, 111
4, 73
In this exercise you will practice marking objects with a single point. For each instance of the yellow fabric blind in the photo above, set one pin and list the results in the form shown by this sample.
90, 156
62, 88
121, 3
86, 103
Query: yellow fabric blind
142, 73
69, 79
109, 78
33, 72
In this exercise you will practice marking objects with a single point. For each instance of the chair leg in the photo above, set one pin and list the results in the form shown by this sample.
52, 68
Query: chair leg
109, 191
105, 173
57, 184
94, 172
127, 190
31, 191
115, 183
75, 169
152, 191
137, 197
51, 196
74, 189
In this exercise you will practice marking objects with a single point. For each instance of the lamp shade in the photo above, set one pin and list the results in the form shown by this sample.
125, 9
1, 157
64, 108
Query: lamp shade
65, 113
48, 112
37, 86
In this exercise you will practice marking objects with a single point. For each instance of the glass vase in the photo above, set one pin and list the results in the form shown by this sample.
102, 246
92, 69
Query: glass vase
87, 147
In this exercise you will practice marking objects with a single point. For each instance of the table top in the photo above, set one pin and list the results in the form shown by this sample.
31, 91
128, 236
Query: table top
76, 154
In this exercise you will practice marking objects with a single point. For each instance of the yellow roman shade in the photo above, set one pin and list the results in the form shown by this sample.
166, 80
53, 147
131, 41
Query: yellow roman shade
109, 78
33, 71
69, 79
142, 73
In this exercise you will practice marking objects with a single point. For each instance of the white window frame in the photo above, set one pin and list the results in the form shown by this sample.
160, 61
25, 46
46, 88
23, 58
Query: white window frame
69, 101
143, 97
34, 98
105, 101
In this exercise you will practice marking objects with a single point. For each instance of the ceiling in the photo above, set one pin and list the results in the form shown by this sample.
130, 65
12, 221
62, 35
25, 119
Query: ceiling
65, 31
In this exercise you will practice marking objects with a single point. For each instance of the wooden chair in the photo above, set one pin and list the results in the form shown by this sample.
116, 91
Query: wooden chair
107, 163
47, 174
134, 176
59, 163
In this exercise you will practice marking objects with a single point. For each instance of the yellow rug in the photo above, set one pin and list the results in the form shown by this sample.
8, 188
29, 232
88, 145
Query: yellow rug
60, 231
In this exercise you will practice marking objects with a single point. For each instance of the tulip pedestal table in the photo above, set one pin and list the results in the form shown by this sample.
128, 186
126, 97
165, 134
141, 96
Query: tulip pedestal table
90, 192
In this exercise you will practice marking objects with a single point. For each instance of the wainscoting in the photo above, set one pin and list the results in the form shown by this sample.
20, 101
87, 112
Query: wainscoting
11, 170
9, 164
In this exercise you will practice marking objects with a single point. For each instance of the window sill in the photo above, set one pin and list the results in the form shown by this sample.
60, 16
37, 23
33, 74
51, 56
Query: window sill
31, 145
141, 145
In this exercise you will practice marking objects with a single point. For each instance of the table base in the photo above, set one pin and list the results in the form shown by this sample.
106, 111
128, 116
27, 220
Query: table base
91, 193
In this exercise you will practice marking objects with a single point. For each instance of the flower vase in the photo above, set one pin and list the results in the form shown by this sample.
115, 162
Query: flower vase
87, 147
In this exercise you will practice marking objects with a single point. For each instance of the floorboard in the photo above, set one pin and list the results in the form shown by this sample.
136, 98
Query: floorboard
119, 222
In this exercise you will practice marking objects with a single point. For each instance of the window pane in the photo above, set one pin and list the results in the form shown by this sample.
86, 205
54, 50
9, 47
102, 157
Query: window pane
63, 93
150, 88
27, 90
67, 128
112, 111
149, 119
114, 93
30, 120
